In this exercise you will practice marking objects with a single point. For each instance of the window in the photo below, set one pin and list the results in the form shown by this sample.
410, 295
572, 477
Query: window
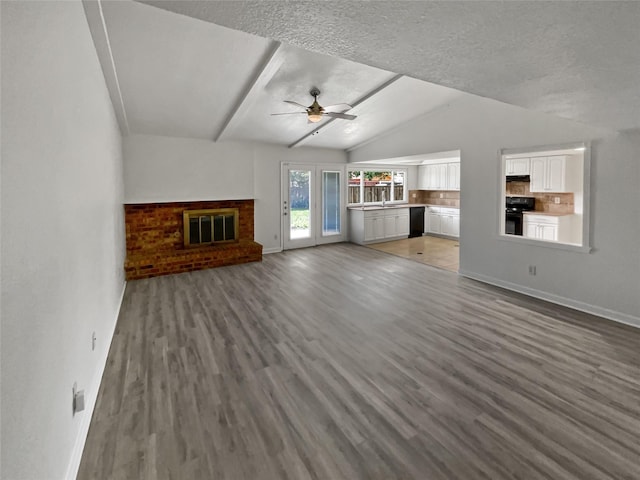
330, 203
544, 197
375, 187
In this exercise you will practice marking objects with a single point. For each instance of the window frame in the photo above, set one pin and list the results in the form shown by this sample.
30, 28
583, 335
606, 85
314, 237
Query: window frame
376, 168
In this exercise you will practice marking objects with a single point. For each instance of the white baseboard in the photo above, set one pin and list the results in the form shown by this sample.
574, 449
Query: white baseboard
91, 397
267, 251
550, 297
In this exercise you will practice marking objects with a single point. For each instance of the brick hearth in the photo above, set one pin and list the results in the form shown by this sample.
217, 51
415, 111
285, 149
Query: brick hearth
154, 233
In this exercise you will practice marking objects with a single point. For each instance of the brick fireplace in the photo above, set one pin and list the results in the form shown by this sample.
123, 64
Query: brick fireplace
156, 246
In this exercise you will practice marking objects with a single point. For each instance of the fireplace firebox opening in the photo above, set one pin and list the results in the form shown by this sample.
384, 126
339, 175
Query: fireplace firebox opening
208, 227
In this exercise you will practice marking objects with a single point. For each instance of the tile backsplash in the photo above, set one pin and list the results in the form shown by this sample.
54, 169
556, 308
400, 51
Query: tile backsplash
432, 197
545, 202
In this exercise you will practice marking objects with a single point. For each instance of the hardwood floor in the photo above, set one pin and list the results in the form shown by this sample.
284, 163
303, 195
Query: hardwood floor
435, 251
341, 362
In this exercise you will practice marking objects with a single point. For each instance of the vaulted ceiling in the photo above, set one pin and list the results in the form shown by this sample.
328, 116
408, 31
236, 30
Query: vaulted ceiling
217, 70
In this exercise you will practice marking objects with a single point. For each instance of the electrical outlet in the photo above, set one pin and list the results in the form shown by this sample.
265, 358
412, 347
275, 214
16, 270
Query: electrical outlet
414, 195
556, 200
532, 269
77, 401
442, 195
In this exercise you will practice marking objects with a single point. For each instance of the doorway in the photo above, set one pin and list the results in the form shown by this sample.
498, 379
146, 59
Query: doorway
313, 206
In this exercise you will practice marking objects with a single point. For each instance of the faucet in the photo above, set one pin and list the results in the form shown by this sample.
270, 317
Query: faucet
384, 194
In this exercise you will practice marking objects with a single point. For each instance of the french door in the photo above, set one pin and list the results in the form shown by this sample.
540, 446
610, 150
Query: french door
312, 205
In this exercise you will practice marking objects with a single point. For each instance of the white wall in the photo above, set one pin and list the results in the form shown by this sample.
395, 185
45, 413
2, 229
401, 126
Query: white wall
170, 169
605, 281
155, 168
62, 234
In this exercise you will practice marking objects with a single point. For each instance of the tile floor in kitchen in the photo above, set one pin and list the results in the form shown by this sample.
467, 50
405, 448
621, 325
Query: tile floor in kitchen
435, 251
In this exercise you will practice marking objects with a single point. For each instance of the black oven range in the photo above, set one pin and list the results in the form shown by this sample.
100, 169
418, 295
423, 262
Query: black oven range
514, 208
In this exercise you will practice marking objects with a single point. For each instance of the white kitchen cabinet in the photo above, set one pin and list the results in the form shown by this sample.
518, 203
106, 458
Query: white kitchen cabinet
371, 226
431, 177
441, 183
390, 226
423, 177
439, 176
517, 166
453, 176
443, 221
550, 228
450, 224
538, 174
402, 224
434, 220
530, 230
558, 173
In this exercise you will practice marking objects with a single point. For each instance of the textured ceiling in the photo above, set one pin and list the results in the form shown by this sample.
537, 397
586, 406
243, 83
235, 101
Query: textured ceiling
579, 60
174, 75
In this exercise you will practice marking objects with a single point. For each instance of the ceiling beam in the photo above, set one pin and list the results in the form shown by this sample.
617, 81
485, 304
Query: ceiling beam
269, 66
361, 100
100, 35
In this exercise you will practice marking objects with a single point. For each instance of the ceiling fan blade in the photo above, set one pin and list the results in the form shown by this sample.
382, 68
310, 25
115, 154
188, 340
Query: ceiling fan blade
343, 116
290, 113
338, 107
296, 104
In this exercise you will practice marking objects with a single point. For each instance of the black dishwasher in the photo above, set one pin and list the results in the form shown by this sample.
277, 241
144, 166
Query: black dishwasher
416, 221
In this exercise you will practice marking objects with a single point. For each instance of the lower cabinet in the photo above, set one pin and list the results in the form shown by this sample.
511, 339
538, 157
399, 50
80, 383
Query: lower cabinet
450, 225
443, 221
370, 226
396, 225
550, 228
373, 228
434, 220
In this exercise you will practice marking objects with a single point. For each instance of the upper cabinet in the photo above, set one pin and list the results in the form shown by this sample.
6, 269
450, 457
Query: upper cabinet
439, 176
453, 176
553, 174
517, 166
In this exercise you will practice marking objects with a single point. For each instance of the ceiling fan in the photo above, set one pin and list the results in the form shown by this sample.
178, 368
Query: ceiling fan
315, 111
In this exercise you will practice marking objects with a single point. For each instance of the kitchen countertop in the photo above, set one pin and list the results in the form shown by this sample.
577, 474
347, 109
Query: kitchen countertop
548, 214
388, 207
400, 205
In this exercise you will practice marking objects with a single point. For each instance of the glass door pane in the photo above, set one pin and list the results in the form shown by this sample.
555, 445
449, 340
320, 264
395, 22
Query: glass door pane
300, 203
313, 205
330, 203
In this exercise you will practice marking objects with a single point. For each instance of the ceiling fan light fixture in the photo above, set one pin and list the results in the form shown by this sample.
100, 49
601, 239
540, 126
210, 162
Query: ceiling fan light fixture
315, 112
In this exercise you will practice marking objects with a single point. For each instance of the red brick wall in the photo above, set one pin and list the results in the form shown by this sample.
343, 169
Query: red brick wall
154, 234
158, 226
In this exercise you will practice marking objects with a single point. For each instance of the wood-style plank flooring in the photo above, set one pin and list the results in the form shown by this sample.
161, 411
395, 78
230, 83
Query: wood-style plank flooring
435, 251
342, 362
